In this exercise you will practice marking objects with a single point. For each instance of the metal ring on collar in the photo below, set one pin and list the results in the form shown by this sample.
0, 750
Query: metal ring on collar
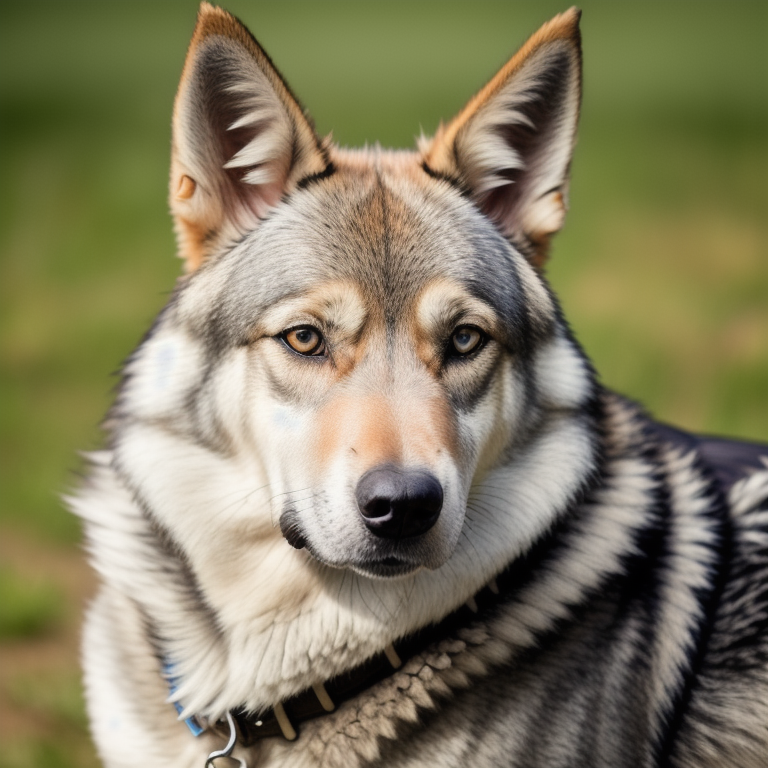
227, 751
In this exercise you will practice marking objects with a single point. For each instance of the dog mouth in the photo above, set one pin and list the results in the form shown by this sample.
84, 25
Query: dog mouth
380, 558
291, 530
389, 567
386, 568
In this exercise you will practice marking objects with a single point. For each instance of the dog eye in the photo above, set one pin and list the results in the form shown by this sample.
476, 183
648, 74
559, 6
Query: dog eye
305, 340
465, 340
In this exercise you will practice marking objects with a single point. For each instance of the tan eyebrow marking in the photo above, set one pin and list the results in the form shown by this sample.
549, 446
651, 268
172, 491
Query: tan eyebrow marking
439, 308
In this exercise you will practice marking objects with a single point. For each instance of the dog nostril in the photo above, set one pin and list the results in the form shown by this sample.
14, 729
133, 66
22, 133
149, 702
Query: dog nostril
397, 504
376, 508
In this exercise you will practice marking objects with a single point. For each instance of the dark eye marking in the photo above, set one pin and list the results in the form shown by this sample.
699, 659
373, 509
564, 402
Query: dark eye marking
305, 340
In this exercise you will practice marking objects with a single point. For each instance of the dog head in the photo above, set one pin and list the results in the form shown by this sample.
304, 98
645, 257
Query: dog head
364, 343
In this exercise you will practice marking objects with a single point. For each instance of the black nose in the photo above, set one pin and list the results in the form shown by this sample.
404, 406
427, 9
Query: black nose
397, 503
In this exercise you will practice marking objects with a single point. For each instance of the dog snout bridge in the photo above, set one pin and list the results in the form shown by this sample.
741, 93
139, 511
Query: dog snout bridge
396, 503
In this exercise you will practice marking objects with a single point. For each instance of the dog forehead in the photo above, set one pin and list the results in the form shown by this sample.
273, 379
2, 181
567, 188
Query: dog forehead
387, 232
390, 234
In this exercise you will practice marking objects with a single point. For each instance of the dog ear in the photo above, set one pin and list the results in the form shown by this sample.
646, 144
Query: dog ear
511, 145
240, 139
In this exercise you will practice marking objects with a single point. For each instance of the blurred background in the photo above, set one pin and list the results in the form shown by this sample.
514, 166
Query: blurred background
662, 267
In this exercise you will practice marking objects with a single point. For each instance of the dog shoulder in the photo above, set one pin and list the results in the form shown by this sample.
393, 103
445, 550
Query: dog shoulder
732, 687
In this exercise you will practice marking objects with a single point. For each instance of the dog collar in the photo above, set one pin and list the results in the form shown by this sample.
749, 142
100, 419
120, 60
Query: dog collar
283, 720
170, 676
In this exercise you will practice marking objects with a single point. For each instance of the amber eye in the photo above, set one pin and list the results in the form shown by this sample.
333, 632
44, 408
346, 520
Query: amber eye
465, 340
305, 340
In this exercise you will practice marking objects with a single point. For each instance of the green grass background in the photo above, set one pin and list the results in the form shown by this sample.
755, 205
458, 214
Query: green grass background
662, 267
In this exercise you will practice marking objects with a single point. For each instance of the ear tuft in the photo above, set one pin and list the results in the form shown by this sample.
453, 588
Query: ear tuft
512, 144
240, 138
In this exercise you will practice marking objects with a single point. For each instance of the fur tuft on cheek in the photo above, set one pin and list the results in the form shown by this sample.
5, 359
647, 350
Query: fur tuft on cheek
162, 373
563, 377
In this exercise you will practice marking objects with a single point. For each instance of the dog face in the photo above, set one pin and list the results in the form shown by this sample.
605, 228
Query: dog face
380, 382
364, 338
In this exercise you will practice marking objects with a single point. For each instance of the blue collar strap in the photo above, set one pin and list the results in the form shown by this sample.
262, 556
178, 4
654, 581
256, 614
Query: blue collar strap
171, 679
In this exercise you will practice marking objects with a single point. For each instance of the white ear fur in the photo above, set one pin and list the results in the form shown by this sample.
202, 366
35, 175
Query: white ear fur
511, 146
240, 139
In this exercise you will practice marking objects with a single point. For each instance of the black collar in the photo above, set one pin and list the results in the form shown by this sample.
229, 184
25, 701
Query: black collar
284, 719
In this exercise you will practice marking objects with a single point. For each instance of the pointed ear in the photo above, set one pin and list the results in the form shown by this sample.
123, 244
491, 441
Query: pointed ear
511, 145
240, 139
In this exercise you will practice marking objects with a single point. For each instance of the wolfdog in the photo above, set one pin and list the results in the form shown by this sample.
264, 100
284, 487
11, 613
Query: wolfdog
364, 502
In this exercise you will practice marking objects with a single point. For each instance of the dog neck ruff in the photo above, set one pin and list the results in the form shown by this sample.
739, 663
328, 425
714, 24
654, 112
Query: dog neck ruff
283, 720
